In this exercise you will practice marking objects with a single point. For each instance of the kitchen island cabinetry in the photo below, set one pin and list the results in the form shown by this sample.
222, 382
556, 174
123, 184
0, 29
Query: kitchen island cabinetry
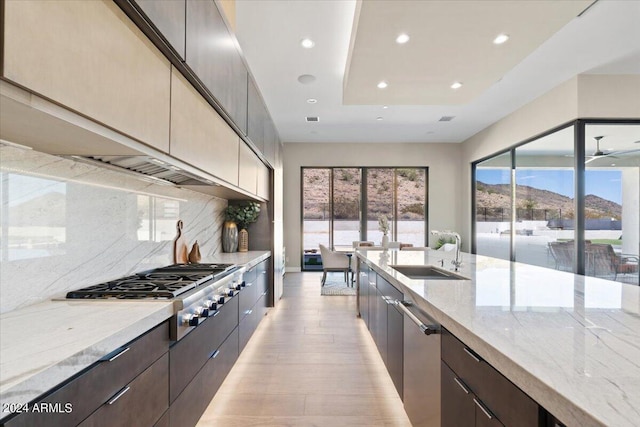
496, 398
118, 383
212, 55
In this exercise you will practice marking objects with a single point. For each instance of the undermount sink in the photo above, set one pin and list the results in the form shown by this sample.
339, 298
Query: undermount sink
426, 272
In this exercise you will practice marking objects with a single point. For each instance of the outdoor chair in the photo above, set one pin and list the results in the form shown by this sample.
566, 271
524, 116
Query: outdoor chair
333, 261
602, 261
562, 253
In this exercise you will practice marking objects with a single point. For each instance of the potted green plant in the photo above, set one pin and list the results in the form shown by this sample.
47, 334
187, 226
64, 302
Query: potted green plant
241, 216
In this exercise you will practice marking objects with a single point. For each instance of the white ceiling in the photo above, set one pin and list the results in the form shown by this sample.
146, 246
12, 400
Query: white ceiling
602, 40
450, 41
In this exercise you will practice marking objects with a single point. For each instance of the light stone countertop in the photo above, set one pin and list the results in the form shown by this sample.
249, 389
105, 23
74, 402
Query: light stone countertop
570, 342
43, 344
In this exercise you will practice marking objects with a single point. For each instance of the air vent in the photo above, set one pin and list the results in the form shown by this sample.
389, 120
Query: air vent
312, 119
446, 118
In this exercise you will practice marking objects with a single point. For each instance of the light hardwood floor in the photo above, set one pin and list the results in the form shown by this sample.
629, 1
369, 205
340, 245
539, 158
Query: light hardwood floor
311, 362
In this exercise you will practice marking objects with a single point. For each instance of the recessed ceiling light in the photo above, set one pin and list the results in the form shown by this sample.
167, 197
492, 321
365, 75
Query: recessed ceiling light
312, 100
613, 164
379, 118
307, 43
305, 79
402, 38
456, 85
500, 38
382, 85
385, 106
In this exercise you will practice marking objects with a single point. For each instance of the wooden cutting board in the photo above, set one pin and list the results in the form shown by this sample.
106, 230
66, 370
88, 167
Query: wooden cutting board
180, 254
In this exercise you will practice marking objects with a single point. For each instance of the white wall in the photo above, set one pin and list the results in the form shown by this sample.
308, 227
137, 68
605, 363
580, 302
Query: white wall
68, 225
443, 161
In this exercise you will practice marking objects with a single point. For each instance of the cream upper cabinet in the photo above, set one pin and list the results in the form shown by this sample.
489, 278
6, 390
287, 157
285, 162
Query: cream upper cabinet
248, 170
199, 136
263, 180
89, 57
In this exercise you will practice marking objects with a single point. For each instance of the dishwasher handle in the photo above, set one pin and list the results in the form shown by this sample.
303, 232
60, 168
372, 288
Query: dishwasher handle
426, 329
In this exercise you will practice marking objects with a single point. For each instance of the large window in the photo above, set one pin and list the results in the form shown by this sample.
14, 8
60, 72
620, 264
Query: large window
493, 206
342, 205
568, 200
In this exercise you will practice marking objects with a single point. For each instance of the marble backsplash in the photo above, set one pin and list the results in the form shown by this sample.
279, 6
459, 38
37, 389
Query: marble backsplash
66, 225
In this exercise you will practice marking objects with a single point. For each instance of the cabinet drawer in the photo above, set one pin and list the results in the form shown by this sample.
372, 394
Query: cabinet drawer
189, 406
142, 402
249, 276
388, 290
189, 354
510, 404
100, 382
262, 277
247, 298
246, 327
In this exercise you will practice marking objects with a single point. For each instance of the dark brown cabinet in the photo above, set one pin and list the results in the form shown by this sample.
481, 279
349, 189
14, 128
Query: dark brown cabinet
363, 291
141, 402
254, 301
189, 354
256, 115
498, 401
421, 371
212, 55
104, 380
187, 409
458, 408
395, 347
168, 16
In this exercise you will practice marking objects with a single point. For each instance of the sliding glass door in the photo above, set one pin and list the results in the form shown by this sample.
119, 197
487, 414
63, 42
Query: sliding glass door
342, 205
574, 198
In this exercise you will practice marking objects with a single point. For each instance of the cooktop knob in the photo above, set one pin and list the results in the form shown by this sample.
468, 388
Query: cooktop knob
203, 311
211, 304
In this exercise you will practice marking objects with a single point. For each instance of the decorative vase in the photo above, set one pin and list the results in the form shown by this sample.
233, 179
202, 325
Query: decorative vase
230, 237
385, 241
243, 241
194, 255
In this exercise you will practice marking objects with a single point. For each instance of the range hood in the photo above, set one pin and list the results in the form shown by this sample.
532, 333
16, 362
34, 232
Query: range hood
34, 122
156, 170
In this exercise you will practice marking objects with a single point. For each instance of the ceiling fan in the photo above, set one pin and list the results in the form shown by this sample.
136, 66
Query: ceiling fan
612, 154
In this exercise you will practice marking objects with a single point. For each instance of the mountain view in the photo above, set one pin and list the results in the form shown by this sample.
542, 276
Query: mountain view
493, 196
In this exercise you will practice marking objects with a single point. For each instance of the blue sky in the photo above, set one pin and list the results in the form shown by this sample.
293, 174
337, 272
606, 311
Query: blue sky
602, 183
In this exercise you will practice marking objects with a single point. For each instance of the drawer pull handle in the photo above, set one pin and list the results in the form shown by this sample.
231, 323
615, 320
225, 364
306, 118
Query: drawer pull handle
119, 354
118, 396
484, 409
472, 354
264, 293
461, 384
214, 354
424, 328
248, 311
216, 313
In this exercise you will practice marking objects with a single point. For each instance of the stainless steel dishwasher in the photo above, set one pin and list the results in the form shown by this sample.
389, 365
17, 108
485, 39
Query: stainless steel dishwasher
421, 370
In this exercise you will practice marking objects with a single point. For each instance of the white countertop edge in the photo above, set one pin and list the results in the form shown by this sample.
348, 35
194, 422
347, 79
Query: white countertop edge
545, 395
38, 383
26, 386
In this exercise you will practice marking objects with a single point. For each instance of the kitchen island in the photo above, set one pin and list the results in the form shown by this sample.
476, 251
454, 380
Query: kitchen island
570, 342
45, 344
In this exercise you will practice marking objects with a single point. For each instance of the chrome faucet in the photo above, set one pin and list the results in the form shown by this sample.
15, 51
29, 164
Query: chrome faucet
456, 263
